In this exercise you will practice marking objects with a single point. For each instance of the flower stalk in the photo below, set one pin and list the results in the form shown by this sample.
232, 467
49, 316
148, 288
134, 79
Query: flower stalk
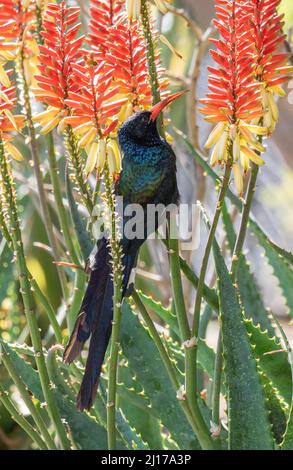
24, 90
26, 292
151, 56
117, 273
191, 376
73, 155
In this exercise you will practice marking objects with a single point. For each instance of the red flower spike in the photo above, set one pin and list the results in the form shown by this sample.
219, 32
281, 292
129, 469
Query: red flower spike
126, 54
234, 78
19, 14
104, 14
91, 100
271, 67
234, 98
60, 51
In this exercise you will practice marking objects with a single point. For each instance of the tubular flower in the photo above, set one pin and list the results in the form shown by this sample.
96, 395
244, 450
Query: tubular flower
9, 123
103, 14
99, 152
19, 16
91, 102
133, 8
60, 50
271, 67
7, 49
94, 103
127, 56
234, 97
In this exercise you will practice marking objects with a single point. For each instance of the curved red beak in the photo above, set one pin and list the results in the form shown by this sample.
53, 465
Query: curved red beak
155, 110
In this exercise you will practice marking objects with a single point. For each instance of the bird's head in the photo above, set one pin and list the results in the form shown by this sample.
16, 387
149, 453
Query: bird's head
143, 124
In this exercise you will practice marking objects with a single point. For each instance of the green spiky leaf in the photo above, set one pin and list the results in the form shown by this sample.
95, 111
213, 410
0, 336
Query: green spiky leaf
272, 359
86, 431
247, 286
144, 359
249, 426
280, 264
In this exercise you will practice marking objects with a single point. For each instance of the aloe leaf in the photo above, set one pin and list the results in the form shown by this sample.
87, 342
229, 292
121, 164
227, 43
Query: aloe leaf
284, 253
272, 359
205, 356
247, 286
129, 434
209, 294
249, 426
274, 365
287, 443
277, 409
144, 359
137, 408
164, 313
280, 264
86, 431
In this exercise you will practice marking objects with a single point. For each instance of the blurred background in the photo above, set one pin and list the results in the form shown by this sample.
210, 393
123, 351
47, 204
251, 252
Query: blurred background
185, 60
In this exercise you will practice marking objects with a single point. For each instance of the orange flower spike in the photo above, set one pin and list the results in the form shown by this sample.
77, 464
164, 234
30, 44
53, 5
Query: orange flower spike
58, 54
127, 56
91, 101
232, 86
271, 67
15, 24
20, 13
234, 97
103, 14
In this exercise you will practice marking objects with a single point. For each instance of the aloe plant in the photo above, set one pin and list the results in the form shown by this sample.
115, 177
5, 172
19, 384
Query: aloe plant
163, 387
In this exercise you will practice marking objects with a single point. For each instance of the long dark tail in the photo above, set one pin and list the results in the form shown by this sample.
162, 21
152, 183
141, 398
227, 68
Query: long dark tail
95, 320
90, 309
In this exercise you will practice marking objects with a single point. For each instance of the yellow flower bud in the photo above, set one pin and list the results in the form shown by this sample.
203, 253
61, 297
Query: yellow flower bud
236, 148
244, 162
238, 178
273, 107
258, 130
4, 77
278, 90
46, 116
88, 138
223, 151
101, 156
83, 128
215, 135
13, 151
214, 156
161, 6
133, 8
92, 158
113, 155
10, 117
50, 125
254, 157
125, 112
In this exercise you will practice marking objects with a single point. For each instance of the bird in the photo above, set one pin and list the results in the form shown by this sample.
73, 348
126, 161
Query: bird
148, 176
